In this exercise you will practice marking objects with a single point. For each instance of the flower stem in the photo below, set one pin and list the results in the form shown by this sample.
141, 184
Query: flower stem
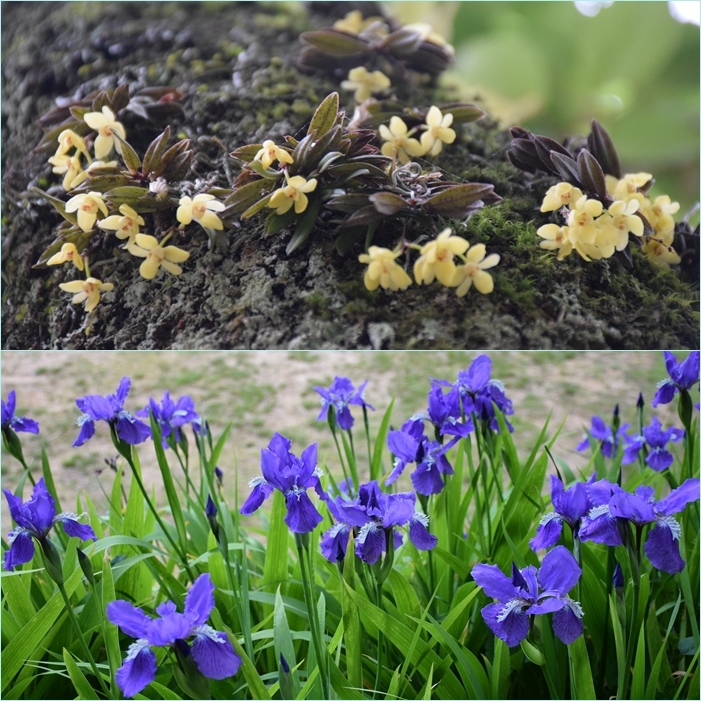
84, 645
305, 561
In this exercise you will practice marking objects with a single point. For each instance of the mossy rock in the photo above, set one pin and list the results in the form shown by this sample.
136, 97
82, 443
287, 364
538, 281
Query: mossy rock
236, 64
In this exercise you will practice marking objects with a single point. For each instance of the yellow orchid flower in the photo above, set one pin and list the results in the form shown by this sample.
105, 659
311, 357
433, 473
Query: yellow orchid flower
87, 205
474, 271
124, 227
146, 246
105, 124
559, 195
271, 153
365, 83
202, 209
292, 193
436, 260
383, 269
398, 141
439, 131
68, 253
88, 291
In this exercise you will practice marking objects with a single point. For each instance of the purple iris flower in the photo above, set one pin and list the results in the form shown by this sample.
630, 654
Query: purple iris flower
600, 525
476, 390
13, 422
603, 433
374, 516
641, 508
682, 376
211, 649
111, 409
569, 505
445, 414
411, 445
34, 519
658, 458
292, 476
171, 416
340, 395
529, 592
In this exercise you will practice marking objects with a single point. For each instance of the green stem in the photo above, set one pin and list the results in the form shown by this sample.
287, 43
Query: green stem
632, 641
380, 641
126, 453
367, 438
304, 553
353, 465
84, 645
349, 487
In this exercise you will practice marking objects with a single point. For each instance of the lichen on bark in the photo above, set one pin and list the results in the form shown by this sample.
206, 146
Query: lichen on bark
236, 63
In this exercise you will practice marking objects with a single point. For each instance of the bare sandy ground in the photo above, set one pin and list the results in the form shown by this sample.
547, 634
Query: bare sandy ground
264, 392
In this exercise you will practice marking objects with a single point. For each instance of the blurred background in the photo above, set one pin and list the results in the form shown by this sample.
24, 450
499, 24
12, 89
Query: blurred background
264, 392
553, 66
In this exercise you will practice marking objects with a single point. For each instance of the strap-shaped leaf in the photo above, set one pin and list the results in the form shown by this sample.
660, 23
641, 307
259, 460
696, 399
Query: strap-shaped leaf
242, 198
155, 151
246, 153
334, 42
131, 159
387, 203
602, 148
403, 42
306, 225
325, 116
462, 112
456, 201
59, 205
255, 208
566, 167
120, 98
591, 174
545, 147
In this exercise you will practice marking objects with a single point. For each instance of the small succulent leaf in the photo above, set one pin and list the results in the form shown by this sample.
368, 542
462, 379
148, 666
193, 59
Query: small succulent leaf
348, 238
72, 235
462, 113
519, 133
363, 217
98, 182
429, 58
518, 163
242, 198
78, 112
100, 100
455, 201
128, 191
350, 202
59, 206
120, 98
545, 146
275, 223
387, 203
306, 225
334, 42
267, 173
328, 159
292, 141
330, 141
246, 153
591, 173
255, 208
403, 42
566, 168
131, 159
524, 151
601, 146
179, 166
169, 155
325, 115
300, 153
154, 152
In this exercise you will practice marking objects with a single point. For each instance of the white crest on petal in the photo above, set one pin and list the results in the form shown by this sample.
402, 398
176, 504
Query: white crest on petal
672, 524
208, 632
511, 605
548, 517
575, 607
421, 518
597, 511
367, 528
136, 647
256, 481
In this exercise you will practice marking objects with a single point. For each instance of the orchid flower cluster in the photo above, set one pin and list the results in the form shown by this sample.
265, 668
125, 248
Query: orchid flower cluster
600, 204
436, 262
113, 199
